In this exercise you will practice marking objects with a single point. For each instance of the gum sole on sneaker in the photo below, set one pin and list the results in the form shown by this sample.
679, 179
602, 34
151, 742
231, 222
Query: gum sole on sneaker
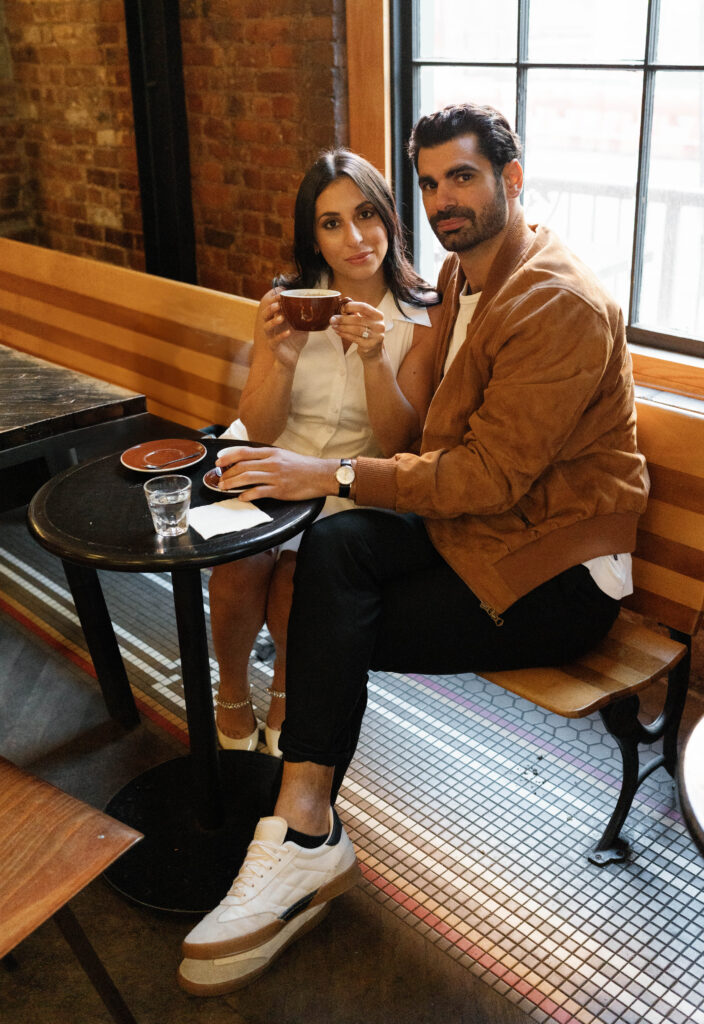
227, 974
254, 940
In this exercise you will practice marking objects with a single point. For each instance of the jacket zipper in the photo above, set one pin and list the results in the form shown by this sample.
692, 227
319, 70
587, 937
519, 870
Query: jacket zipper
492, 613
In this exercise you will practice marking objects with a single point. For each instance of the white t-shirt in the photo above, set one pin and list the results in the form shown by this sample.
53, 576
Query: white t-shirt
612, 573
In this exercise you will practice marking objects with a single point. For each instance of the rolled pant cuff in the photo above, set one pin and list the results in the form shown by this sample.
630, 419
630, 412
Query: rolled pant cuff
297, 754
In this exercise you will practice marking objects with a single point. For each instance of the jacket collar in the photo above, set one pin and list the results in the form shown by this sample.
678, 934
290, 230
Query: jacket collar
519, 239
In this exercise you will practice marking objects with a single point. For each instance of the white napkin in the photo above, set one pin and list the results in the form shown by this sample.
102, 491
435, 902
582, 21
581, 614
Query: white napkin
225, 517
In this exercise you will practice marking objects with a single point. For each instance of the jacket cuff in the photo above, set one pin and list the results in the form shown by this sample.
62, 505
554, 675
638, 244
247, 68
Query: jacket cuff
375, 482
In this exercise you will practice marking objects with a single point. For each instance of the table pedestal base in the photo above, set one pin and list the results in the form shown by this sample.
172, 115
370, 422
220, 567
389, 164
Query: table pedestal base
179, 865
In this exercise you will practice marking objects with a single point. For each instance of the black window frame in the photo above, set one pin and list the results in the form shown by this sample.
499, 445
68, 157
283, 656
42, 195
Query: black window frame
405, 68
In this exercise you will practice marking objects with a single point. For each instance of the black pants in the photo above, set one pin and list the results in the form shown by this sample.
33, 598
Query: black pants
371, 592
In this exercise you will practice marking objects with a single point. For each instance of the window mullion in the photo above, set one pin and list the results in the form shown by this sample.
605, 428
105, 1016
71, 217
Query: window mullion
522, 70
646, 130
403, 19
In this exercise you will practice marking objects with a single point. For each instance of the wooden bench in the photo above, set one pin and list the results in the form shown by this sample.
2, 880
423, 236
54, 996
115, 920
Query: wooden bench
186, 348
668, 577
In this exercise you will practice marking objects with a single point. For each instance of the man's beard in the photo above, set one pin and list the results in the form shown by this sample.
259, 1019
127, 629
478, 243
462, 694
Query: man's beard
479, 228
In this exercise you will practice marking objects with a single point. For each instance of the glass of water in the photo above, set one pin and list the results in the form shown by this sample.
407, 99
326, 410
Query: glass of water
168, 498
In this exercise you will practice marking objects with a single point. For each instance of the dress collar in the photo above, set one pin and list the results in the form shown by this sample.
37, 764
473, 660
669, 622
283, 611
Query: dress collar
407, 312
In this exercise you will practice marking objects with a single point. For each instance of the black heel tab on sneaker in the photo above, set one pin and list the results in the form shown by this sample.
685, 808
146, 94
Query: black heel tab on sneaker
303, 839
336, 830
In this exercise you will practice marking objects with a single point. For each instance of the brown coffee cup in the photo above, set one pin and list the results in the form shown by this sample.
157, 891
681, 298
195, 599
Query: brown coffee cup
309, 309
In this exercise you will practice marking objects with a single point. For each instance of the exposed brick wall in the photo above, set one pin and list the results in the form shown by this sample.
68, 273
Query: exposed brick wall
264, 93
16, 202
70, 69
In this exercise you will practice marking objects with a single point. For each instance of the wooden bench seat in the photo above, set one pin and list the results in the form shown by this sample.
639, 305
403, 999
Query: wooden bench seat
630, 658
668, 578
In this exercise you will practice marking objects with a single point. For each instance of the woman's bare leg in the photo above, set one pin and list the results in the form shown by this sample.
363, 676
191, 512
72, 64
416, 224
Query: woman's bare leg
277, 612
238, 599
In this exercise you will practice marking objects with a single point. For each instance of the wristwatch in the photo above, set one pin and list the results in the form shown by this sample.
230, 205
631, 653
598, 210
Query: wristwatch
344, 475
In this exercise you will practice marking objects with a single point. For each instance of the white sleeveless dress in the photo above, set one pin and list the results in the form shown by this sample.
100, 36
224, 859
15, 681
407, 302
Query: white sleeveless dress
328, 415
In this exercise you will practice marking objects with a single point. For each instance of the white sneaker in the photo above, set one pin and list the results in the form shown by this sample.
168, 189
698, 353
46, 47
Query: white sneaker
277, 882
225, 974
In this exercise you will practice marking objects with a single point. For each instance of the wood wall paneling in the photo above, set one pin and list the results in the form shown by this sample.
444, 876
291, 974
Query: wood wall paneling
368, 81
186, 348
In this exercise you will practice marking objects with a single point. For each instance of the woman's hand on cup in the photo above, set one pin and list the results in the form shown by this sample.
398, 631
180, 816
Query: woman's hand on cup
276, 473
284, 342
362, 324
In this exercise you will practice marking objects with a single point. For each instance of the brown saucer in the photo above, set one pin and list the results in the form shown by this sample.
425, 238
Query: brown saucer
210, 479
169, 456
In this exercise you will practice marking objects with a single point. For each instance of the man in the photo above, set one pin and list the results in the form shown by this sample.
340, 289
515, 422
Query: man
511, 543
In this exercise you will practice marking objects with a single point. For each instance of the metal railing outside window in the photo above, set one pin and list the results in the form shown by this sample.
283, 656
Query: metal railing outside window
609, 101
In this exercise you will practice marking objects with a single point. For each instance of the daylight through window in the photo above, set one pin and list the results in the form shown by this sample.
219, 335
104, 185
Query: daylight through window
609, 100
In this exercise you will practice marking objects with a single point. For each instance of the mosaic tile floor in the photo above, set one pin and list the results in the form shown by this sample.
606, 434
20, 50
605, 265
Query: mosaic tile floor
471, 811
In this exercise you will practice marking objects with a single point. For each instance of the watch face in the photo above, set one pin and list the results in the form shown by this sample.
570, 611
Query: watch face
344, 475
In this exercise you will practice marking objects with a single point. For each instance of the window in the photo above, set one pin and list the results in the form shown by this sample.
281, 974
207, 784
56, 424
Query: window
608, 98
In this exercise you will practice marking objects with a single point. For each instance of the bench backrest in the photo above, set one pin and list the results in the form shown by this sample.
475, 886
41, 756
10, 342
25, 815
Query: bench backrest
668, 564
186, 348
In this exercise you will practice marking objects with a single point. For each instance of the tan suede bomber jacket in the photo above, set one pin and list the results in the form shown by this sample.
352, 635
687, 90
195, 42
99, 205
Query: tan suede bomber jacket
528, 463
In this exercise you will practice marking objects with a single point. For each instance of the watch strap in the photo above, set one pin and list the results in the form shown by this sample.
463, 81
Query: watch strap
343, 490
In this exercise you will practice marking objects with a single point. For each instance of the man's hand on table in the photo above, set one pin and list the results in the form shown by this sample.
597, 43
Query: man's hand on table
277, 473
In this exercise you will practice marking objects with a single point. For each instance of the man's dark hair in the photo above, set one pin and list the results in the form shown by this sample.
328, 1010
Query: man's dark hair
498, 143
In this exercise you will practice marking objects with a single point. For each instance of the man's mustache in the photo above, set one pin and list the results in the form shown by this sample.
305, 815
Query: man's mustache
453, 211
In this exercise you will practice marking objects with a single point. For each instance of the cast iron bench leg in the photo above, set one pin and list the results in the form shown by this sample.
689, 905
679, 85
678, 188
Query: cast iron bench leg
622, 722
677, 686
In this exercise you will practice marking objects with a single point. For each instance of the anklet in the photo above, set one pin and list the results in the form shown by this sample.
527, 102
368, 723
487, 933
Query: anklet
275, 693
229, 706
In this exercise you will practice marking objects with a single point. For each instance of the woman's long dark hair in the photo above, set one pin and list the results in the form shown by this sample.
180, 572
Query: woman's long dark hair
405, 284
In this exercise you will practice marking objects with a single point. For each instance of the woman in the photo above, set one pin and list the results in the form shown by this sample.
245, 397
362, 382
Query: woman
360, 387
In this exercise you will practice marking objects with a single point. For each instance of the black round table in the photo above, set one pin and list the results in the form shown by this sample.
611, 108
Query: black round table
690, 784
197, 812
